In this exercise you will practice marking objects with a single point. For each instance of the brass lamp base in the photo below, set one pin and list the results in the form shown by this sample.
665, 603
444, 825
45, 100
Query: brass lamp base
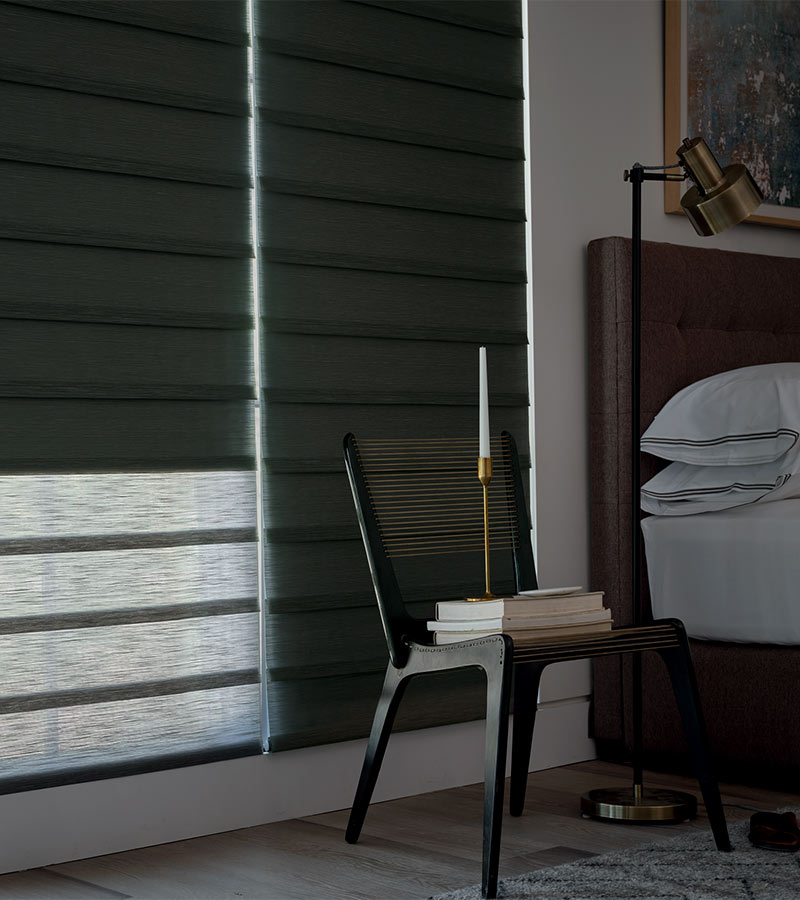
639, 806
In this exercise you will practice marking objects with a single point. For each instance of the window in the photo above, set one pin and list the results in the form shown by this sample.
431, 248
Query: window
129, 636
392, 245
391, 220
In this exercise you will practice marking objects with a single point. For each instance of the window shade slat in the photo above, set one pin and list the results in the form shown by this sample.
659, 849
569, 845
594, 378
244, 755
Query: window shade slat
51, 49
65, 359
426, 595
44, 586
381, 40
211, 19
386, 398
344, 167
132, 656
72, 621
122, 136
392, 239
501, 16
309, 439
96, 505
124, 738
321, 710
293, 575
409, 330
393, 300
321, 95
45, 203
304, 464
314, 362
105, 284
337, 637
117, 542
130, 435
103, 695
330, 510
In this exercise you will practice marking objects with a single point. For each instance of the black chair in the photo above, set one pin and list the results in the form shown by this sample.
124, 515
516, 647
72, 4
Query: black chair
423, 497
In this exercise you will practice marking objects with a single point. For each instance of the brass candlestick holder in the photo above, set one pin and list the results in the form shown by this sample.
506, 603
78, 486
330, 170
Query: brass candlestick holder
485, 476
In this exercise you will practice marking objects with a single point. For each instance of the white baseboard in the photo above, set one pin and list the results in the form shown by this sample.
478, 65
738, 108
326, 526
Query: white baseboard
78, 821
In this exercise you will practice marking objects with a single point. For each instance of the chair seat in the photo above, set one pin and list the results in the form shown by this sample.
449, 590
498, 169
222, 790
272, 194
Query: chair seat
528, 648
659, 635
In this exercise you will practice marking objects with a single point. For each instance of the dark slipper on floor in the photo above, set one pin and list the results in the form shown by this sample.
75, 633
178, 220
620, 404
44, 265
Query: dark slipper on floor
775, 831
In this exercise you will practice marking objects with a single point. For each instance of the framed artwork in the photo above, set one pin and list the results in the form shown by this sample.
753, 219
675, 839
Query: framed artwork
732, 76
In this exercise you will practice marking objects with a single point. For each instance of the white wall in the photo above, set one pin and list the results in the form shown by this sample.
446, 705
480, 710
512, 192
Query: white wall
596, 97
76, 821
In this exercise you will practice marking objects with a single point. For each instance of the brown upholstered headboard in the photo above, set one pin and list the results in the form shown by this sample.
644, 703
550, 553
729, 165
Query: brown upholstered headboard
703, 311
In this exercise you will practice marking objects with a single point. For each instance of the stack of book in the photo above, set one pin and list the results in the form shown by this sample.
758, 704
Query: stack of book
531, 615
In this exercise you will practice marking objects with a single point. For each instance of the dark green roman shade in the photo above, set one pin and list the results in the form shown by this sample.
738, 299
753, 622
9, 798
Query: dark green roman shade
392, 240
128, 585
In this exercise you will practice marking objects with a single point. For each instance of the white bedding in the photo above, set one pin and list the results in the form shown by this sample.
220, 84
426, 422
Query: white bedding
732, 575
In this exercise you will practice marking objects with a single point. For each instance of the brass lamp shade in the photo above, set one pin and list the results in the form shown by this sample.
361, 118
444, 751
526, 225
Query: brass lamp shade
720, 198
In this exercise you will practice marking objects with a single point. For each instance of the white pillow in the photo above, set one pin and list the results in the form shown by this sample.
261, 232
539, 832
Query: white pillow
682, 489
741, 417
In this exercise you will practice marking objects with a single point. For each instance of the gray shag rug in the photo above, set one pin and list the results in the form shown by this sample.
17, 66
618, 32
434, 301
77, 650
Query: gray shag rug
687, 867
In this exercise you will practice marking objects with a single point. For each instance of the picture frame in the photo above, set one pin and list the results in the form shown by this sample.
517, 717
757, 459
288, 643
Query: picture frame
698, 82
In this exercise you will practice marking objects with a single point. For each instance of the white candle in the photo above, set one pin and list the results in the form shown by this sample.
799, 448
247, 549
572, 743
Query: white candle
483, 403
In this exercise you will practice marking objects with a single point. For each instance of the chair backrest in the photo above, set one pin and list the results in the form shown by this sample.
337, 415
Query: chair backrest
422, 497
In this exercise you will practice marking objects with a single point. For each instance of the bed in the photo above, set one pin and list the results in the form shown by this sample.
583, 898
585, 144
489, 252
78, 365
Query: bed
704, 311
708, 569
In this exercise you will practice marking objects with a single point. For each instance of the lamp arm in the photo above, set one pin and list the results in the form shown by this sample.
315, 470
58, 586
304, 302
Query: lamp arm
676, 165
645, 173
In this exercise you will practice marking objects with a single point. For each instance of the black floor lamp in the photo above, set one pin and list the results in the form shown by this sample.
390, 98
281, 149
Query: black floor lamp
718, 200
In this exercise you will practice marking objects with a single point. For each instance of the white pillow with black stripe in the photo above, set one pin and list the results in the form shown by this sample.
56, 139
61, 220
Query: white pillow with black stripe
741, 417
682, 489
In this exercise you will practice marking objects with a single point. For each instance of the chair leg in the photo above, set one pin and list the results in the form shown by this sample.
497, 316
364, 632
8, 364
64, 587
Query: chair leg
526, 691
394, 686
498, 701
684, 684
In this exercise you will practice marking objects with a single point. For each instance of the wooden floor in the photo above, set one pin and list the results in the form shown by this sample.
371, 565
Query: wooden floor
409, 848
